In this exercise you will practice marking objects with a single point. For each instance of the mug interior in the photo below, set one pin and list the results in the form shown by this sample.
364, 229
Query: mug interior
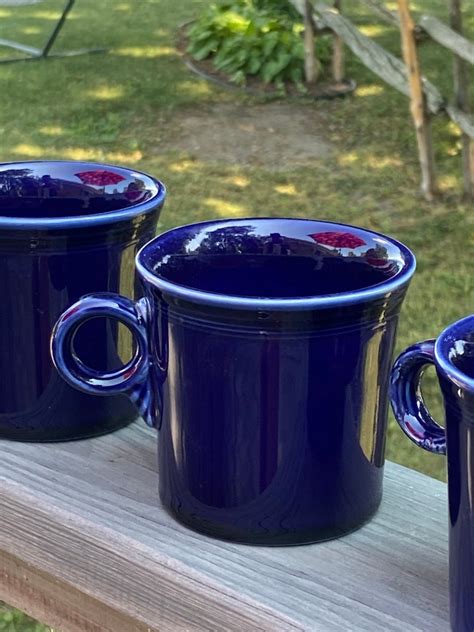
274, 258
455, 350
55, 190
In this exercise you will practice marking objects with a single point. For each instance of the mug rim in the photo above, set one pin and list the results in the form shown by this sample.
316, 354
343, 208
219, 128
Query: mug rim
82, 221
216, 299
444, 343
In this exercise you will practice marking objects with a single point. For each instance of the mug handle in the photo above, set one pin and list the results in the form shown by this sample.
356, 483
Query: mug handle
407, 401
133, 379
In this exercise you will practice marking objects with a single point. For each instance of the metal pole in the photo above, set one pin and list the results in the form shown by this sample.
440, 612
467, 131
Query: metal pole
52, 38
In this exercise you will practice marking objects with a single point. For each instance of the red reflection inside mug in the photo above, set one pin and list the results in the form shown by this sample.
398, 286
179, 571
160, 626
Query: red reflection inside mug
338, 239
100, 177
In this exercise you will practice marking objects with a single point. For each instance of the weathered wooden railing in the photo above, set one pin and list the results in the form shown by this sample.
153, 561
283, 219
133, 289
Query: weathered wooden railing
405, 76
85, 546
378, 7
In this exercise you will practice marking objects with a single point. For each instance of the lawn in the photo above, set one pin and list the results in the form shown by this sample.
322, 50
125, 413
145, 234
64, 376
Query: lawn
128, 107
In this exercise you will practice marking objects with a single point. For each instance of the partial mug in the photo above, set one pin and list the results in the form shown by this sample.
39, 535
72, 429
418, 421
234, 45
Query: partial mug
452, 353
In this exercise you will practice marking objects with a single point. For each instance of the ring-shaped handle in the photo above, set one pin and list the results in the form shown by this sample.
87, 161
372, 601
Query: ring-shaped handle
407, 401
102, 305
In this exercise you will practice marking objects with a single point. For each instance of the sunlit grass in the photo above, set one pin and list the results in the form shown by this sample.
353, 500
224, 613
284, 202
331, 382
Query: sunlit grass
31, 30
373, 30
50, 15
51, 130
369, 91
286, 189
106, 93
26, 150
147, 52
225, 208
194, 89
348, 158
182, 166
239, 181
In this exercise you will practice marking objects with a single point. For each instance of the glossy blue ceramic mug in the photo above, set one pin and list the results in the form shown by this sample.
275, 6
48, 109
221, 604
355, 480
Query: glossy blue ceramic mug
66, 229
263, 353
453, 356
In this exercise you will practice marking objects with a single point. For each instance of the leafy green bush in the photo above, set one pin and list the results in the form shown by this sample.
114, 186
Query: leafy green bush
14, 621
278, 6
260, 38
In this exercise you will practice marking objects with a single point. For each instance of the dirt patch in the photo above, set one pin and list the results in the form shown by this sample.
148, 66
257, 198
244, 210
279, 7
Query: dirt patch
274, 135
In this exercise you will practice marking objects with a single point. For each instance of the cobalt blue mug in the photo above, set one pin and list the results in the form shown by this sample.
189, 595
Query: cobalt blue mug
66, 229
263, 354
453, 356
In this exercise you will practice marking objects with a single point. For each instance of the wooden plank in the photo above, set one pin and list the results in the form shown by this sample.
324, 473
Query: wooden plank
338, 57
462, 98
128, 575
418, 107
388, 67
311, 65
391, 17
304, 7
318, 25
448, 38
382, 12
465, 121
85, 516
24, 587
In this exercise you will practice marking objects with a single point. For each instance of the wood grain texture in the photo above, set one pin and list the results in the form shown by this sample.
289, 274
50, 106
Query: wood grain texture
338, 56
391, 17
311, 65
83, 537
444, 35
419, 110
74, 611
379, 8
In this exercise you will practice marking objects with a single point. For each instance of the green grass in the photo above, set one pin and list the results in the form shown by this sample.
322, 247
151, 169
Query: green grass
125, 106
